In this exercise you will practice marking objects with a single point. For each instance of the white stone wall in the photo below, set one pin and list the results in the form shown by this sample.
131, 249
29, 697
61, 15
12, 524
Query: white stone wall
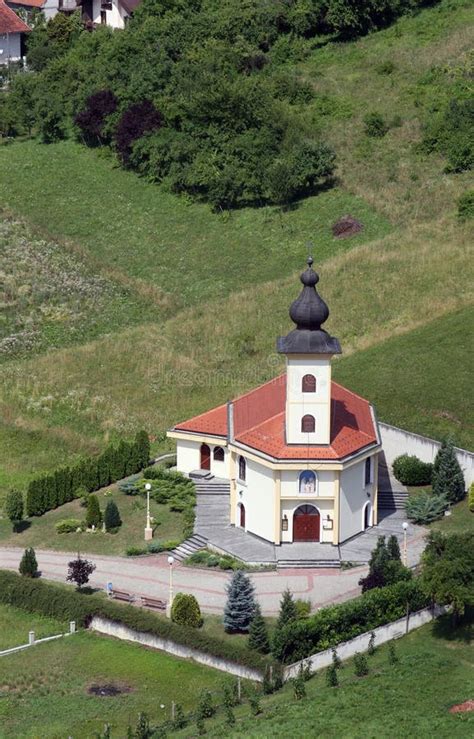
257, 494
10, 47
325, 508
397, 441
115, 17
354, 497
187, 455
318, 404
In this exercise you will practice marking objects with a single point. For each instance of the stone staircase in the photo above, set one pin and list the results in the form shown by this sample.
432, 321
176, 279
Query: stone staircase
392, 500
211, 486
188, 547
307, 564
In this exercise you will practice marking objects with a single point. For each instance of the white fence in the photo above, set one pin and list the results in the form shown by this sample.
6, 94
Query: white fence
360, 644
32, 640
397, 441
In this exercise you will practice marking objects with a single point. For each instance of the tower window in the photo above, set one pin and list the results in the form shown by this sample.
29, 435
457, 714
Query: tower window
242, 469
308, 424
368, 470
218, 454
308, 384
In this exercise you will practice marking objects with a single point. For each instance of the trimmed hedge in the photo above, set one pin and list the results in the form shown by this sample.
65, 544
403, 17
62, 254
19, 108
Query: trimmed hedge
64, 603
471, 498
409, 470
66, 483
335, 624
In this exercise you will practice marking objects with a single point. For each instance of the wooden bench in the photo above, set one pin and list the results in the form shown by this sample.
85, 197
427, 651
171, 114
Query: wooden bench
160, 605
122, 595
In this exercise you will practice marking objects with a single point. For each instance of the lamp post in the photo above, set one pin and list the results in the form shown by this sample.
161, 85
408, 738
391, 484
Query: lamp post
148, 528
405, 550
170, 599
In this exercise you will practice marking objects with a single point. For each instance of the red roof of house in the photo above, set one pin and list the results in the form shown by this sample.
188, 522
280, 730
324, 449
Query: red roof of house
27, 3
259, 423
9, 21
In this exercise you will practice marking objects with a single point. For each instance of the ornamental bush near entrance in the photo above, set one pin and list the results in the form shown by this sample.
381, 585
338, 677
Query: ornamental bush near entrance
409, 470
185, 610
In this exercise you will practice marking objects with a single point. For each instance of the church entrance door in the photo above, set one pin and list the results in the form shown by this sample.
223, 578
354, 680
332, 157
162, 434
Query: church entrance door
306, 523
205, 457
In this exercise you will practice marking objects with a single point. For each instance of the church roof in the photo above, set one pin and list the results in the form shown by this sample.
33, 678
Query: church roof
10, 22
259, 423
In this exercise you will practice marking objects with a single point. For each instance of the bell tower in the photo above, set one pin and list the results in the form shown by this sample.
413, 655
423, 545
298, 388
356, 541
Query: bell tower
308, 349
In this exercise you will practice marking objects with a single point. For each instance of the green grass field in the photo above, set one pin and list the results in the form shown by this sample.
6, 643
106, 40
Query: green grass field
15, 625
189, 303
45, 692
41, 532
411, 698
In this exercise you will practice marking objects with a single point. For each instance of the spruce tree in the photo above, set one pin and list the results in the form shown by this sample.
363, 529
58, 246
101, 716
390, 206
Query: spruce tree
331, 676
112, 518
288, 610
240, 605
393, 548
378, 565
448, 478
14, 508
29, 565
258, 635
142, 443
93, 515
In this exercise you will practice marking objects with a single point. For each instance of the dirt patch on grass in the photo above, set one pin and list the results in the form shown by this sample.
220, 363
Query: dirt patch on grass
108, 690
463, 707
346, 226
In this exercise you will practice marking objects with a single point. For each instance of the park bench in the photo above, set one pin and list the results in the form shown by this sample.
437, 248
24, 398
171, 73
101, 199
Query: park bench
122, 595
160, 605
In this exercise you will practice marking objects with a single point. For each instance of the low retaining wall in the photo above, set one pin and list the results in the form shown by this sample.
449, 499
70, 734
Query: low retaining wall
360, 643
397, 441
111, 628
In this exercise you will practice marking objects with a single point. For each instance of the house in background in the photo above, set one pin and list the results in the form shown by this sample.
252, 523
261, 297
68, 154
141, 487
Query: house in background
113, 13
12, 35
300, 452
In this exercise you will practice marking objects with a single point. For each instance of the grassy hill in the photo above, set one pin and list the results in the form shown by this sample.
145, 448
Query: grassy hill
159, 308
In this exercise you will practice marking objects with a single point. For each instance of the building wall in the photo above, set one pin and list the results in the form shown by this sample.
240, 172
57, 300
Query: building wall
354, 496
115, 17
257, 494
10, 47
188, 458
290, 483
317, 404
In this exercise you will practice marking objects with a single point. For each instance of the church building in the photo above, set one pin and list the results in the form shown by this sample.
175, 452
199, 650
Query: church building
301, 451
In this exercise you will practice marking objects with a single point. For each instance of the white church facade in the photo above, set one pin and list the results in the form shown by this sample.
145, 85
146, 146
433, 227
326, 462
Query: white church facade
300, 452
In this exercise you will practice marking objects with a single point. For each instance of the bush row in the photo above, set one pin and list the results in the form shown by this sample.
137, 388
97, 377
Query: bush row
335, 624
50, 491
64, 603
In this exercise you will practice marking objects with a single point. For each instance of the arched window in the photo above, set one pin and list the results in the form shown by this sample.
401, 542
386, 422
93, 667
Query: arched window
307, 482
308, 424
242, 469
308, 384
218, 454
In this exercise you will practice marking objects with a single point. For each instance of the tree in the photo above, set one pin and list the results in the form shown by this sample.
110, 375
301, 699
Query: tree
142, 443
93, 514
14, 508
331, 676
185, 610
143, 729
288, 610
29, 565
385, 567
79, 571
448, 570
393, 548
240, 605
258, 634
112, 518
448, 478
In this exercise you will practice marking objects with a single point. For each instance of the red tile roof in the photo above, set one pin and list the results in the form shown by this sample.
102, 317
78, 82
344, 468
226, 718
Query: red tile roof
9, 21
27, 3
259, 423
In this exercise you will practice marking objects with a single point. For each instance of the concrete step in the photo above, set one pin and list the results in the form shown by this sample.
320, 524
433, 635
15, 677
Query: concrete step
299, 564
189, 546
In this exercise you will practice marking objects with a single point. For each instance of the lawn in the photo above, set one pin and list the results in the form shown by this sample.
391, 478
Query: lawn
410, 699
41, 532
15, 625
45, 692
460, 521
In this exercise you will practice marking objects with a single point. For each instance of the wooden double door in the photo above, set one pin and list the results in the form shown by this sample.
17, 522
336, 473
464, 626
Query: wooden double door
306, 524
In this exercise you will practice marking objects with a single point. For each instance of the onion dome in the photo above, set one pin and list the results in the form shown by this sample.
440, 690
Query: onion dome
308, 312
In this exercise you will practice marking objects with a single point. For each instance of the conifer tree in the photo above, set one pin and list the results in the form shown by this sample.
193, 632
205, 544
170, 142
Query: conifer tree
448, 478
288, 610
112, 518
93, 515
14, 508
28, 565
393, 548
258, 635
240, 605
142, 443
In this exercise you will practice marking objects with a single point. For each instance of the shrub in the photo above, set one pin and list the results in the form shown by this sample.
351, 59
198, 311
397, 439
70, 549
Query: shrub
79, 571
336, 660
423, 508
134, 122
254, 702
448, 478
205, 707
385, 567
93, 514
392, 654
409, 470
471, 498
375, 125
450, 133
331, 677
29, 565
185, 610
466, 205
91, 120
240, 604
288, 610
14, 508
303, 608
371, 646
299, 688
361, 666
68, 525
386, 67
258, 634
112, 518
179, 721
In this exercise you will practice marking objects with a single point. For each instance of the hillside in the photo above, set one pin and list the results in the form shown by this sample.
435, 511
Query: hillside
163, 308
